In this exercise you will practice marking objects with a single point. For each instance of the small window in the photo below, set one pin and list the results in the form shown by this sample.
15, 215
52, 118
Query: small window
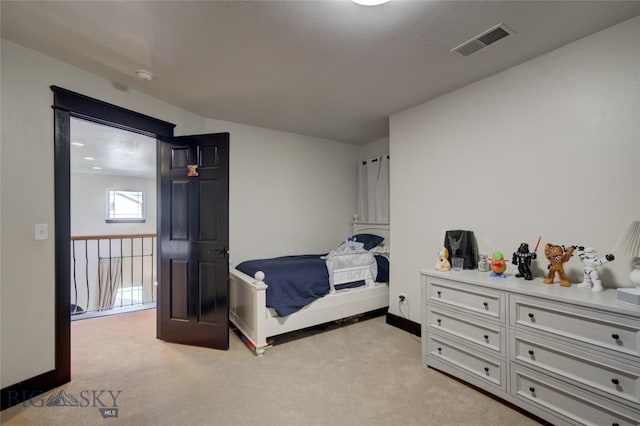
125, 206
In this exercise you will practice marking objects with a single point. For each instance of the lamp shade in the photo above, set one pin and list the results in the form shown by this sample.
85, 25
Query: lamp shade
630, 242
630, 246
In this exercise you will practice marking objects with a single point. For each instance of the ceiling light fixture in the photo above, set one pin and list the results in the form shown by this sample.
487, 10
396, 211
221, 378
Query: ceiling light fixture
89, 158
370, 2
144, 75
97, 168
77, 144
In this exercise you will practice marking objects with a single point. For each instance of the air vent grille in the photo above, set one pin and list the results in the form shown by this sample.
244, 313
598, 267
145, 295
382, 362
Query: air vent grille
483, 40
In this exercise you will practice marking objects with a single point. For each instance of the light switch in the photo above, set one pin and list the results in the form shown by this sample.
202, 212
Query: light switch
42, 231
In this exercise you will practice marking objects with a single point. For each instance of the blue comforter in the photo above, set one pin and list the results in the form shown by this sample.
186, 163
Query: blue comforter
294, 281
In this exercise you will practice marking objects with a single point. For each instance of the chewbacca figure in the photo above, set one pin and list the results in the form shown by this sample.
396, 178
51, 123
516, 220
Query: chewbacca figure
523, 259
557, 256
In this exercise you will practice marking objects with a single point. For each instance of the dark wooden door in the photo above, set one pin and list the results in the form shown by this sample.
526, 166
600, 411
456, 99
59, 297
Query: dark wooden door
193, 280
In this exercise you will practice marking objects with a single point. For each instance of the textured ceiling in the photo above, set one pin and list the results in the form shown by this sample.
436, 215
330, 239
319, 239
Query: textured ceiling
100, 149
330, 69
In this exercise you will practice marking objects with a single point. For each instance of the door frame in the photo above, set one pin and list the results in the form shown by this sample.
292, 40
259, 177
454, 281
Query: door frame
67, 104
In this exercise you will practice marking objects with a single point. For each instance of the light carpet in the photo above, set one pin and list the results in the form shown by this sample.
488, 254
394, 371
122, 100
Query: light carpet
360, 373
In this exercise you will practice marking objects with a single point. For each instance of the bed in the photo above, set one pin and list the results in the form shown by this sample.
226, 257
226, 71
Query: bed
257, 322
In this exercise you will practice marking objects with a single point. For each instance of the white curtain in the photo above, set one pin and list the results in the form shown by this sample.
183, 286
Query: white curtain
373, 190
109, 277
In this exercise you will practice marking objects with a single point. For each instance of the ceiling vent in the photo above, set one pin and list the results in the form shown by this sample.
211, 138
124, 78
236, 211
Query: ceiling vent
483, 40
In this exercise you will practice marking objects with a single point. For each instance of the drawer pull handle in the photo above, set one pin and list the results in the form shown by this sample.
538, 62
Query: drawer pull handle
615, 424
531, 315
439, 321
439, 293
615, 336
439, 349
486, 337
486, 305
615, 381
531, 352
532, 389
486, 369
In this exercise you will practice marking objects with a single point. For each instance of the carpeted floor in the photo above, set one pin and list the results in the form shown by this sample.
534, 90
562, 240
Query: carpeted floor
361, 373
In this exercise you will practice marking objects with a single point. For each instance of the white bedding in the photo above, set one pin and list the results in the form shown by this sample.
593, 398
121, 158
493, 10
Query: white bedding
350, 262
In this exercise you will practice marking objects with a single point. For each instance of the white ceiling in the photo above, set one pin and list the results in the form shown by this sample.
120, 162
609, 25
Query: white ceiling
330, 69
113, 151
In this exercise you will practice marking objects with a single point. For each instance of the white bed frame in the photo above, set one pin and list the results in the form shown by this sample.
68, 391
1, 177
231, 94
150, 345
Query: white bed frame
249, 313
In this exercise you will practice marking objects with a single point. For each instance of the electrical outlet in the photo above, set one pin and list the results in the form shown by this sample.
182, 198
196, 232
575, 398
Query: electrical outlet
41, 231
402, 298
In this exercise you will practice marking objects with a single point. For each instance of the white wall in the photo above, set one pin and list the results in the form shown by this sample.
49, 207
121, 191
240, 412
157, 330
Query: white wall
88, 212
373, 149
88, 204
549, 148
289, 194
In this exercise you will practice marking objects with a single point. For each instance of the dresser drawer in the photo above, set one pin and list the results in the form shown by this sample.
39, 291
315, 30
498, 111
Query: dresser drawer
608, 376
568, 402
481, 366
474, 299
486, 335
617, 333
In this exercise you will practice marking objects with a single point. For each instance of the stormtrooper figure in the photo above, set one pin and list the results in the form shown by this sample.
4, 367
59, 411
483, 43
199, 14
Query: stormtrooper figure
591, 263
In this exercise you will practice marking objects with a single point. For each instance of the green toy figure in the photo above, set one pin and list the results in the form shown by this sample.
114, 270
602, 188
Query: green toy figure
498, 265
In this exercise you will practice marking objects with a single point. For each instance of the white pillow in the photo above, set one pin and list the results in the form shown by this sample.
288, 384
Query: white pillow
381, 249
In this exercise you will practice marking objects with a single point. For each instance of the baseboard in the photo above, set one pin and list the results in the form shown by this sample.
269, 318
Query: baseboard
404, 324
30, 388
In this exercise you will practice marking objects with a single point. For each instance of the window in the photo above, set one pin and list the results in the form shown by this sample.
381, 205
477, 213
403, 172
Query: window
125, 206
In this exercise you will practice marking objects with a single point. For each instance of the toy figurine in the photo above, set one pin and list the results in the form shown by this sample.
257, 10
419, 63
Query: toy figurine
557, 256
498, 265
591, 262
443, 260
523, 259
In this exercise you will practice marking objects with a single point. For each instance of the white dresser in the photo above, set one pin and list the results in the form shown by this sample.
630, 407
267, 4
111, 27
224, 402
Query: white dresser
567, 355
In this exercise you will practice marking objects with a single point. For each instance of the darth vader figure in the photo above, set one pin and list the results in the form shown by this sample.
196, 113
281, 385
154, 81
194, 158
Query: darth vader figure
522, 257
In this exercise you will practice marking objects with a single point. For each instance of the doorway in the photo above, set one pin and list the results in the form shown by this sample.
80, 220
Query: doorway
66, 105
193, 202
113, 220
194, 263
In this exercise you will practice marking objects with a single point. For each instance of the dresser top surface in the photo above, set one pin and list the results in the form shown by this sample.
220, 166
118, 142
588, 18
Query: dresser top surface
581, 296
